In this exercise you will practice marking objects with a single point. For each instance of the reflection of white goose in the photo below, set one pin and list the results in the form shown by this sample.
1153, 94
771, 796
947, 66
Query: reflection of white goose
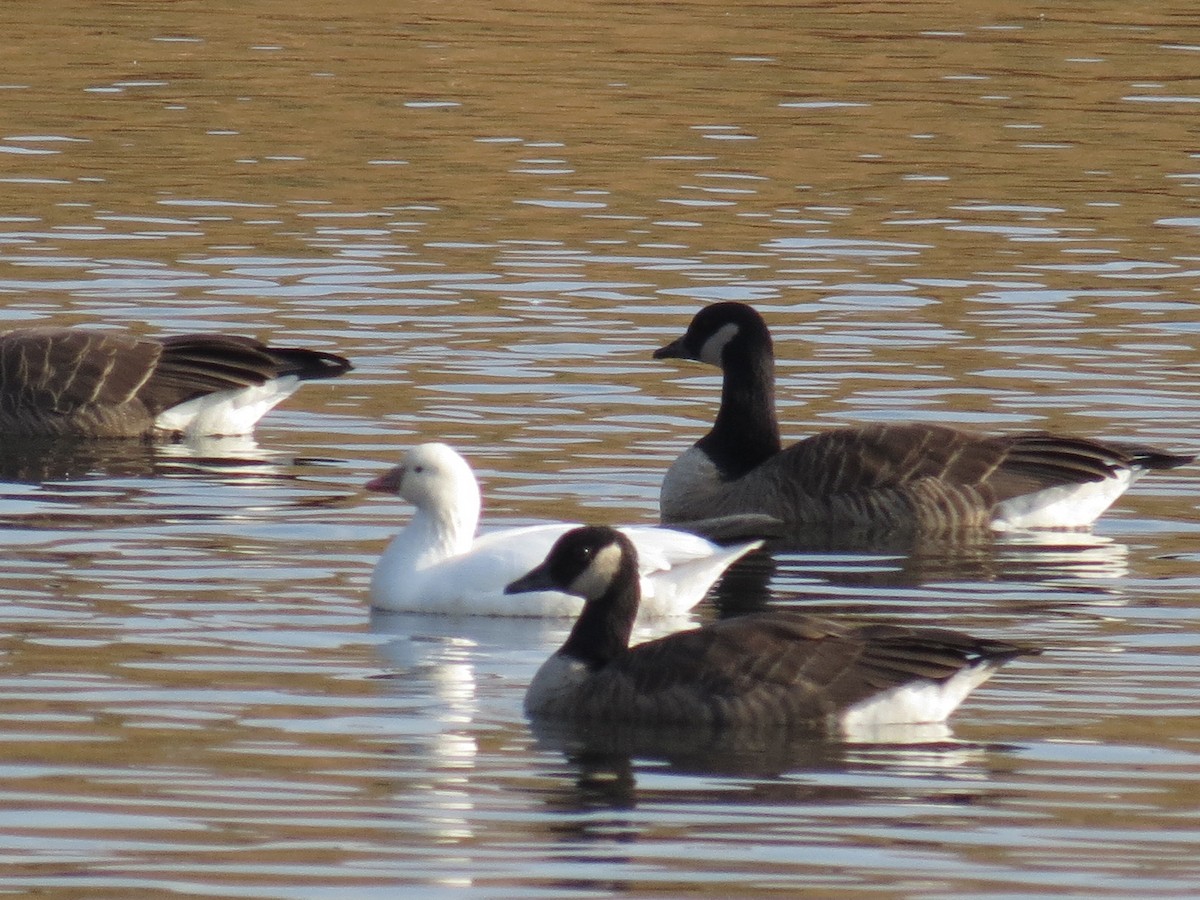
439, 673
438, 565
1067, 554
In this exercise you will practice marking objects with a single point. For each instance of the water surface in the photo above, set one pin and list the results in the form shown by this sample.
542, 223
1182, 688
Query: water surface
981, 214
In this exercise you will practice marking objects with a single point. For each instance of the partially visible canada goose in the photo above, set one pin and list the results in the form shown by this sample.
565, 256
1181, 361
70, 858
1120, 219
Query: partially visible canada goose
910, 476
436, 564
62, 382
771, 668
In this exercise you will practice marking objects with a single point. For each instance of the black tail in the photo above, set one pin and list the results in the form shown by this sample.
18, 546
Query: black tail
1143, 457
309, 365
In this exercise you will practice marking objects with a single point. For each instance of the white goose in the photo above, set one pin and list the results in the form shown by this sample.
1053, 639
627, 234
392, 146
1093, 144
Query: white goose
436, 564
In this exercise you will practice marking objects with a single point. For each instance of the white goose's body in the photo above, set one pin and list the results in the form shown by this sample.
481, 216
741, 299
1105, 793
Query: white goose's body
437, 564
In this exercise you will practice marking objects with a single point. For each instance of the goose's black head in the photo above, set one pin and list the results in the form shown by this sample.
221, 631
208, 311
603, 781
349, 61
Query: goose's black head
734, 337
719, 333
585, 562
598, 564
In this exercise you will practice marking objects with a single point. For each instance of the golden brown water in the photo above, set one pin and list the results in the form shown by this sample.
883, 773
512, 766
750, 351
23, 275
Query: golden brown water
978, 213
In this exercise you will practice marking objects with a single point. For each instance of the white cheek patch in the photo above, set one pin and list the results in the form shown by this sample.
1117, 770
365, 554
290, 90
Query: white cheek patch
714, 347
596, 578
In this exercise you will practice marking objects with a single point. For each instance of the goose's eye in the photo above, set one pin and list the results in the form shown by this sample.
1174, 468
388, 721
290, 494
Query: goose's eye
418, 469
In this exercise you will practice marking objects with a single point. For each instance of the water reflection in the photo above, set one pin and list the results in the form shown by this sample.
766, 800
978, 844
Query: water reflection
757, 766
191, 701
40, 460
1086, 564
980, 557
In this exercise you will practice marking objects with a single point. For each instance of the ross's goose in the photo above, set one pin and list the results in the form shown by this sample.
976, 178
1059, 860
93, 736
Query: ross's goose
437, 564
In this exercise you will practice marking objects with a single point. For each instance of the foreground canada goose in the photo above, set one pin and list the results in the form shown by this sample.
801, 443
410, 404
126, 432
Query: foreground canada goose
63, 382
771, 668
436, 564
914, 476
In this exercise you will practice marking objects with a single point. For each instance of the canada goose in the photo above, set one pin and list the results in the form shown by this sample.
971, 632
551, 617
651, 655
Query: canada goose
80, 382
924, 477
771, 668
436, 564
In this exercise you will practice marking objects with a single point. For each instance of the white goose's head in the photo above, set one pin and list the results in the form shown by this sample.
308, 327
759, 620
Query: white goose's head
435, 479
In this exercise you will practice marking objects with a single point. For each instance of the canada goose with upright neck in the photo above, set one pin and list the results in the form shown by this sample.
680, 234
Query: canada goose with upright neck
777, 668
437, 564
92, 383
927, 478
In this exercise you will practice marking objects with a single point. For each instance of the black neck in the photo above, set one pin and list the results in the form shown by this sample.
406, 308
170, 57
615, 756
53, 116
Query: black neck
746, 432
603, 628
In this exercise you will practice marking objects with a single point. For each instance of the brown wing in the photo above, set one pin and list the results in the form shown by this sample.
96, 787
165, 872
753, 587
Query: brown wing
781, 667
62, 369
59, 381
196, 364
888, 457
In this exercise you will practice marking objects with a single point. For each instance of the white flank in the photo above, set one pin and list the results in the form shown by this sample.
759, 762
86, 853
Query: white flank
1065, 506
917, 702
227, 412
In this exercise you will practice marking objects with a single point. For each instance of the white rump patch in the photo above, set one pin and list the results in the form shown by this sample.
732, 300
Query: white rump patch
227, 412
918, 702
1064, 506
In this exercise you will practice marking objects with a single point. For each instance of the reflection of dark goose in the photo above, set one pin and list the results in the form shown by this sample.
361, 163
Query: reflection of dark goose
1060, 558
608, 748
37, 460
60, 382
929, 478
771, 668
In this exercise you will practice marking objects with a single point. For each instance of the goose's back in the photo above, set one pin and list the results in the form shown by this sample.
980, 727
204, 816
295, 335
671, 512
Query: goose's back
60, 381
772, 668
927, 477
76, 381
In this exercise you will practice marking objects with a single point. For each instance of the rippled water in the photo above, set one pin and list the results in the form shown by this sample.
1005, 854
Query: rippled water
980, 214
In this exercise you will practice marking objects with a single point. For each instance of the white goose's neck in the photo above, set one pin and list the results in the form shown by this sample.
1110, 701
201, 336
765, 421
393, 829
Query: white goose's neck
441, 532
